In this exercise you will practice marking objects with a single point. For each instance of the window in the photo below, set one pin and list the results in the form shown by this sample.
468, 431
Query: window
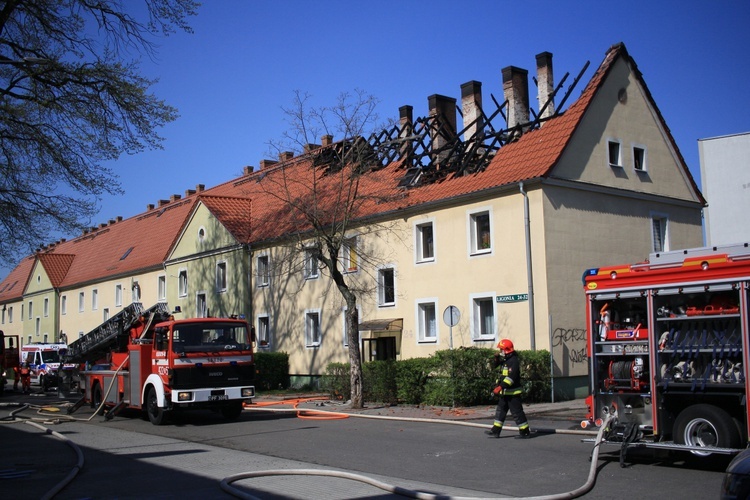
31, 310
161, 290
118, 295
201, 308
659, 233
351, 258
10, 315
21, 313
80, 302
345, 325
427, 321
614, 156
105, 314
46, 307
425, 242
386, 287
221, 277
264, 332
311, 264
45, 338
639, 158
136, 291
182, 283
3, 322
37, 327
263, 271
312, 329
94, 299
64, 304
481, 235
483, 317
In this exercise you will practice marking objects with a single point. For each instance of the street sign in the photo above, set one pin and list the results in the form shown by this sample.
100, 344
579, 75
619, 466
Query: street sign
512, 298
451, 316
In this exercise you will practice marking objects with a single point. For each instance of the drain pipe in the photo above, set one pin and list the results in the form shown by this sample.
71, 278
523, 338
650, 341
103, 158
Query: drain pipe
529, 273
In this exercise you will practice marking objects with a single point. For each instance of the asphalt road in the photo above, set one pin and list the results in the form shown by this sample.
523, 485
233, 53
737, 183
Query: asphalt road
128, 457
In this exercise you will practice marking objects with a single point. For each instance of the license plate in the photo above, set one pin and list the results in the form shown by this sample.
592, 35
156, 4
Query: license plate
221, 397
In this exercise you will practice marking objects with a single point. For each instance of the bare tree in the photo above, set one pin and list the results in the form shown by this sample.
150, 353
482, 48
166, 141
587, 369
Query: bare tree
69, 101
323, 197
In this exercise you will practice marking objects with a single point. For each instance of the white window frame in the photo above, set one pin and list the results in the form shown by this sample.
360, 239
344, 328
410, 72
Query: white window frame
221, 276
382, 302
201, 299
94, 299
136, 291
260, 319
45, 307
611, 141
31, 310
663, 229
118, 295
311, 265
182, 282
419, 247
161, 288
81, 301
312, 320
421, 320
10, 314
37, 327
644, 161
63, 305
262, 264
476, 317
475, 248
105, 314
349, 248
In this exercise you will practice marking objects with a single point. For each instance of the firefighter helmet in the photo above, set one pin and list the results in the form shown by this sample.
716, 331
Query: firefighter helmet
506, 346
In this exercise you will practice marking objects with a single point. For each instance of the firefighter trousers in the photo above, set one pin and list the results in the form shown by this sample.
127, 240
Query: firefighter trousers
515, 405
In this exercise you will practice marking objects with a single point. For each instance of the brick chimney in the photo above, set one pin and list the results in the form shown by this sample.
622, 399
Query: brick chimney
247, 170
516, 91
471, 108
266, 163
149, 207
286, 155
200, 187
175, 197
545, 84
189, 192
326, 140
405, 123
445, 108
163, 202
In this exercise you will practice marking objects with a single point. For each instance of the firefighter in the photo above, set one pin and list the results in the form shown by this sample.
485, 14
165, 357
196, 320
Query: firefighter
25, 372
508, 390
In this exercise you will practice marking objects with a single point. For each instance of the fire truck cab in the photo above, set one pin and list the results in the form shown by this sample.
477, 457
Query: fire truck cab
668, 347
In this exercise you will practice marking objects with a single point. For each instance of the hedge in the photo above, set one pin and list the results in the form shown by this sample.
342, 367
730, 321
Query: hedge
272, 371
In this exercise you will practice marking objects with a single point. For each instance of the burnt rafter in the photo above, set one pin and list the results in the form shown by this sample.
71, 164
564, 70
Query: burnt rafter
430, 149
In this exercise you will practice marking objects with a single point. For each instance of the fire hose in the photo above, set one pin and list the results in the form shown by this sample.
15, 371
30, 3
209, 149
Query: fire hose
226, 483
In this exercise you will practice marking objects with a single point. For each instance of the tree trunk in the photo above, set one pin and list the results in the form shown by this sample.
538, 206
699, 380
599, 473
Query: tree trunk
355, 358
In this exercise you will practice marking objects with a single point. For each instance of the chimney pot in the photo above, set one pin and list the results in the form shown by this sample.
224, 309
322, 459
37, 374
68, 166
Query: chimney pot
545, 84
326, 140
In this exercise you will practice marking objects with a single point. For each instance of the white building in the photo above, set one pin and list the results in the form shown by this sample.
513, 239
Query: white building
725, 174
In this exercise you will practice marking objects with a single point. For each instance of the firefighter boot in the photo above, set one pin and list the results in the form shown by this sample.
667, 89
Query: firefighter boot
495, 431
524, 433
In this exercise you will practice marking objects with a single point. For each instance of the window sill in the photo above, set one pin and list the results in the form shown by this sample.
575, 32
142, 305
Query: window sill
614, 165
387, 304
483, 251
426, 261
427, 341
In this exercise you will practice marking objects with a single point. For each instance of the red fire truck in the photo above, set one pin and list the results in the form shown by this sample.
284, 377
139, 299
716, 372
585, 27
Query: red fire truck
668, 349
149, 361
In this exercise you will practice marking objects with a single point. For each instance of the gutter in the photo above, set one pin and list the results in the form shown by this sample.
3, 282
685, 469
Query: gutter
529, 272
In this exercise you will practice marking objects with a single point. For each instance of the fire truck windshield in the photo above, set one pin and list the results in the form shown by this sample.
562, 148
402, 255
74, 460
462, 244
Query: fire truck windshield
210, 337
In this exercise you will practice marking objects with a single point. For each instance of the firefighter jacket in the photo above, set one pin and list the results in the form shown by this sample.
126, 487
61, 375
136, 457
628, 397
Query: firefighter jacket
509, 372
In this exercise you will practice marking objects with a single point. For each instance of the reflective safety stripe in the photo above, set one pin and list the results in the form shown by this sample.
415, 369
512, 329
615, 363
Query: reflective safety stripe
523, 426
513, 392
500, 424
508, 381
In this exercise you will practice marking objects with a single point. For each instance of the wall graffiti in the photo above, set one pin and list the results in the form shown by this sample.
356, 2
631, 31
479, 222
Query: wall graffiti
570, 344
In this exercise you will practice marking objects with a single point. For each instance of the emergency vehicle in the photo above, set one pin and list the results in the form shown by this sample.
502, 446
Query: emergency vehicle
147, 360
44, 362
668, 349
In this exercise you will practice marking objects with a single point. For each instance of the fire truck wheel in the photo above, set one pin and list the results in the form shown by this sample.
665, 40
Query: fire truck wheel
706, 425
96, 399
232, 411
155, 414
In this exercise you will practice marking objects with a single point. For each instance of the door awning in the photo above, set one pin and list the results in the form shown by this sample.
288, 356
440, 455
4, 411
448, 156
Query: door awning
382, 325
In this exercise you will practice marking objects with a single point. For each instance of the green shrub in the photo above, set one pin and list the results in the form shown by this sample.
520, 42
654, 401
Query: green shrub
337, 381
411, 379
535, 372
379, 381
272, 371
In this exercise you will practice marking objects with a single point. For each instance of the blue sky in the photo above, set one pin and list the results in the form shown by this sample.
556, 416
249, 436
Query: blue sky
230, 79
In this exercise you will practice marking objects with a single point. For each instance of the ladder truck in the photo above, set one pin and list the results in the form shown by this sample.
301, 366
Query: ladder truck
145, 359
668, 348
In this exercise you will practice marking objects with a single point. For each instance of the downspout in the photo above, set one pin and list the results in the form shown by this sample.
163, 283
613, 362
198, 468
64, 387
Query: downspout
529, 273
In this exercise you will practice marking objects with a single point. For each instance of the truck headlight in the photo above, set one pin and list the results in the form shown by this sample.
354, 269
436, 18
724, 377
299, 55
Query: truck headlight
184, 396
248, 392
